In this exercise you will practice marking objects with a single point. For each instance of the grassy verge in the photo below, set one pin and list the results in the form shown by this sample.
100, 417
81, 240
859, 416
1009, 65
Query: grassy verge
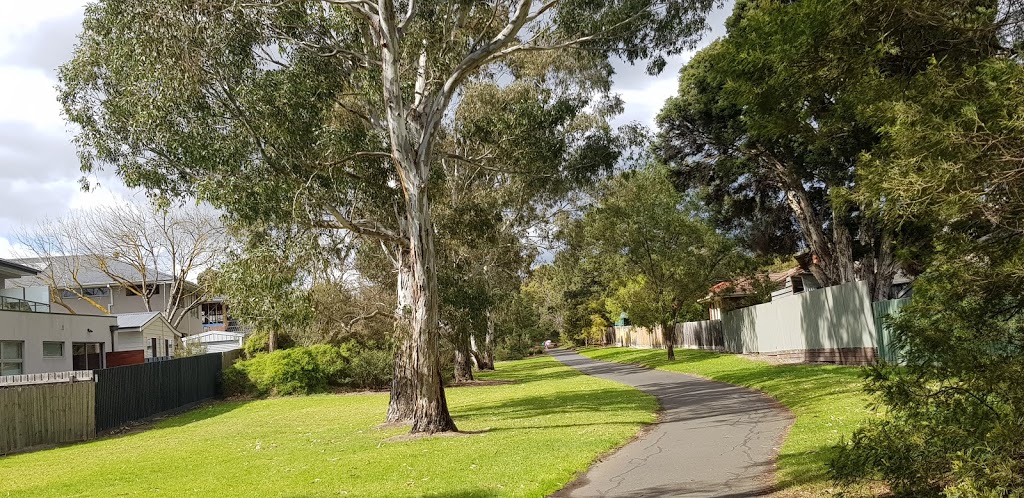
827, 400
533, 437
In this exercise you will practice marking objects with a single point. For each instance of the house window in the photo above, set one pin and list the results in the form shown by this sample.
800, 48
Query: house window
53, 349
89, 292
12, 357
135, 290
86, 355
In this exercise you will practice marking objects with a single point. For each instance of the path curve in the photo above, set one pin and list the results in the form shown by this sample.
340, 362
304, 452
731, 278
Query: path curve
711, 440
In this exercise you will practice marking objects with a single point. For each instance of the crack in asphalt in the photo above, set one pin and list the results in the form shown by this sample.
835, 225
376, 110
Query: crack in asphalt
692, 441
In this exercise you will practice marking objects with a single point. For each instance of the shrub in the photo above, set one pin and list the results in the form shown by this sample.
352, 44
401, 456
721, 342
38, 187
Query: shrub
334, 362
309, 370
370, 368
283, 372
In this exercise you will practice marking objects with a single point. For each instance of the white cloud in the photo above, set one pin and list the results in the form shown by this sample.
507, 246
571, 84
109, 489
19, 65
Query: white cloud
20, 18
29, 96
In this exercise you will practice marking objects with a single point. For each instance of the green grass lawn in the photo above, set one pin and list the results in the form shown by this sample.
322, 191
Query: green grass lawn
534, 436
828, 402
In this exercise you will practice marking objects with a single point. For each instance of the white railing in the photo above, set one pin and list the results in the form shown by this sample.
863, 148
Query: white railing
45, 378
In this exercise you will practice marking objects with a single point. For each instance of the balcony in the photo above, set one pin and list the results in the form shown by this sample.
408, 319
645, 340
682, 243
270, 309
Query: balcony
18, 304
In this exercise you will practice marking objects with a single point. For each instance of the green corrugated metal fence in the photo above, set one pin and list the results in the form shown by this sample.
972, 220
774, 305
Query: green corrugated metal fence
883, 309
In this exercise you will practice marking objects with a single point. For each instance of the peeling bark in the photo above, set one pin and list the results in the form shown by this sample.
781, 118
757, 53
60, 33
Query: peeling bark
402, 403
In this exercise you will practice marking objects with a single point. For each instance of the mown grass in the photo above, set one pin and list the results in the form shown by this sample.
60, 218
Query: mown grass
533, 437
828, 402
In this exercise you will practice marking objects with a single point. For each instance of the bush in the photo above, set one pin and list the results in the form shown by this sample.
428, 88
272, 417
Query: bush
259, 342
334, 362
952, 418
309, 370
370, 368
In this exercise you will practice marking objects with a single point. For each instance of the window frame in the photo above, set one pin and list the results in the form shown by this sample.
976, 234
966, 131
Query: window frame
11, 361
51, 357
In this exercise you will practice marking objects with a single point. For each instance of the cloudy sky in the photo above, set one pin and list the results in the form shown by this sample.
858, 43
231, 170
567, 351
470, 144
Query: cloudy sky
38, 167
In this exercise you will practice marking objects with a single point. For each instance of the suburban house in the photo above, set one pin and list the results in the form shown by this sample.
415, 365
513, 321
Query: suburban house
143, 335
727, 296
34, 340
78, 286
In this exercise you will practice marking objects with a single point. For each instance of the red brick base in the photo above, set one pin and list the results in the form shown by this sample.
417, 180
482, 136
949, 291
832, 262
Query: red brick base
121, 358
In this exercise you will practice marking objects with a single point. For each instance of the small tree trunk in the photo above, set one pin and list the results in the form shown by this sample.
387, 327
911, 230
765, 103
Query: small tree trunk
668, 337
272, 341
488, 353
463, 358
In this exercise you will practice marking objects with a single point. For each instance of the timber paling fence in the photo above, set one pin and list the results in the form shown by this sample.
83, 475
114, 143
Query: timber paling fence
53, 413
46, 414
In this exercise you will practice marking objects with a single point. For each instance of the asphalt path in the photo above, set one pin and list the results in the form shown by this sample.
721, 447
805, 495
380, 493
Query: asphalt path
711, 439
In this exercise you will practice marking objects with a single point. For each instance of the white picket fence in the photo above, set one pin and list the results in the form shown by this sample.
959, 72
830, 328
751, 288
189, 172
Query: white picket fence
45, 378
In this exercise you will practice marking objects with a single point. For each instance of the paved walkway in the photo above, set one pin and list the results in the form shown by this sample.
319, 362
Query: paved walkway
712, 440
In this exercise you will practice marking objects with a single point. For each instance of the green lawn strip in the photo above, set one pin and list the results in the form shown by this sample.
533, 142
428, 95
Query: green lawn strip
535, 435
828, 402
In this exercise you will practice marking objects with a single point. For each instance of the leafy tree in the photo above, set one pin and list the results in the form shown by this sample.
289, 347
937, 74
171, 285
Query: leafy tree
328, 114
938, 86
661, 257
767, 127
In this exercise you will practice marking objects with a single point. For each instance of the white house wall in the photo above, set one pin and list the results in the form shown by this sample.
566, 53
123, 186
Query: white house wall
128, 341
118, 303
34, 328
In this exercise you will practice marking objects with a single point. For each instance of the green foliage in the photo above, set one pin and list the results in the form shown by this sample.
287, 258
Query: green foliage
258, 342
283, 372
659, 256
309, 370
370, 368
955, 411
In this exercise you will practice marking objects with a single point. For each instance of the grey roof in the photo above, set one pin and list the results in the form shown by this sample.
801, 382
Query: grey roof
18, 269
87, 275
136, 320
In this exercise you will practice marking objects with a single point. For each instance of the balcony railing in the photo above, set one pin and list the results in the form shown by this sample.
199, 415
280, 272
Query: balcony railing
18, 304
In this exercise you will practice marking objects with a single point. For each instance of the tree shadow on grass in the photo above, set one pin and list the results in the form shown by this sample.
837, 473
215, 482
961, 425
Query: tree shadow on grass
178, 417
586, 401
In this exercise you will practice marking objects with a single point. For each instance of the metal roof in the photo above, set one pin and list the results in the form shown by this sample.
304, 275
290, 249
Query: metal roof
16, 268
82, 271
135, 320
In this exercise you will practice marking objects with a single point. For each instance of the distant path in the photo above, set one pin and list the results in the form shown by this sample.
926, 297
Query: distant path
712, 439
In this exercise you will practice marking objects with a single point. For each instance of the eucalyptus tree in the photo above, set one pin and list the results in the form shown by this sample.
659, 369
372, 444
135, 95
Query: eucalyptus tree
328, 113
491, 207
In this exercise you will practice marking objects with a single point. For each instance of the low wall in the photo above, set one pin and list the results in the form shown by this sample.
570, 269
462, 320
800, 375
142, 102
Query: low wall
122, 358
